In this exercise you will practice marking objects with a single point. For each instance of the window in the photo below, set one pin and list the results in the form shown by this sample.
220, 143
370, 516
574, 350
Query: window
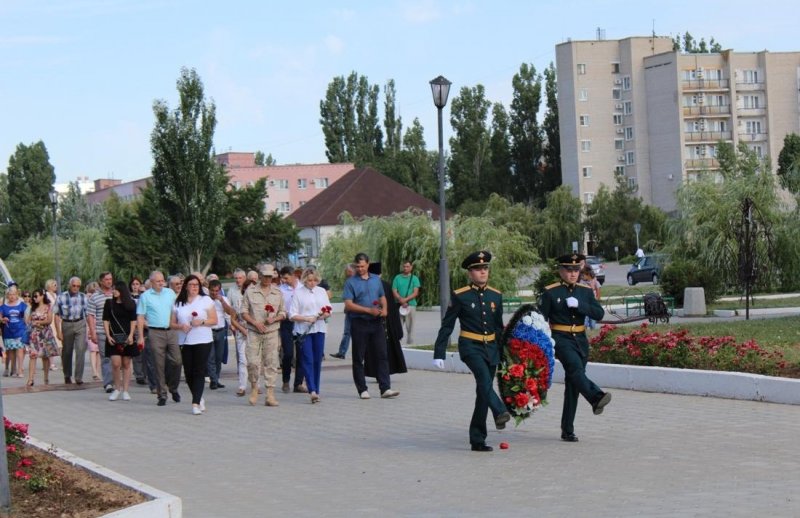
588, 197
581, 68
626, 83
587, 171
751, 102
619, 144
631, 182
617, 119
616, 94
302, 183
321, 183
629, 133
619, 170
718, 100
282, 184
284, 206
584, 120
630, 158
753, 127
615, 68
750, 76
583, 95
757, 150
586, 145
627, 107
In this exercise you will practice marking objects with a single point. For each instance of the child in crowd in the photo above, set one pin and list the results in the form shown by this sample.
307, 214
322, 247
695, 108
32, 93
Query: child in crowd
588, 278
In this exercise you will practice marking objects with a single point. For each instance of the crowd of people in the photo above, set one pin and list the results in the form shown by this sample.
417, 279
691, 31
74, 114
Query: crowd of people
152, 331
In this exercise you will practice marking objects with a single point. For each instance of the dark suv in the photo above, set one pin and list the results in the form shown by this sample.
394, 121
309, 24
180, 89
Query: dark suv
647, 269
598, 267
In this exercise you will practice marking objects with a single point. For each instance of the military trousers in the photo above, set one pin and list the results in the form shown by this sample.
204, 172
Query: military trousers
485, 395
573, 353
262, 351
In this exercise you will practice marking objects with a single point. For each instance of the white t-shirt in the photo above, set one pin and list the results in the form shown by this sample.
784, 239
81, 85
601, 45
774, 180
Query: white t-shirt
201, 307
222, 318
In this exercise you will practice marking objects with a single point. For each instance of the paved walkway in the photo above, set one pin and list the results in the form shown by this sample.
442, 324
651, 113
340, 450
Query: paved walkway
647, 455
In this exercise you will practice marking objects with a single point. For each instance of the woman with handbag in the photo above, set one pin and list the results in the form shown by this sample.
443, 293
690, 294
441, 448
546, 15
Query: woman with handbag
42, 339
119, 322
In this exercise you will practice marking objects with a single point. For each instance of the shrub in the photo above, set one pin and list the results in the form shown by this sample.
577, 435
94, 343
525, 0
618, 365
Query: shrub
680, 274
548, 274
679, 349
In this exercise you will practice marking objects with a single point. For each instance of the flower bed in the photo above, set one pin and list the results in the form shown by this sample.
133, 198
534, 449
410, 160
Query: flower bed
680, 349
43, 485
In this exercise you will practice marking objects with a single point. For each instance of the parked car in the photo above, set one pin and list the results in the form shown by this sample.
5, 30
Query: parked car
599, 268
647, 269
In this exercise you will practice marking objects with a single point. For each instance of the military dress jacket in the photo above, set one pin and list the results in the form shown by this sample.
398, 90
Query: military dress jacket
553, 305
480, 315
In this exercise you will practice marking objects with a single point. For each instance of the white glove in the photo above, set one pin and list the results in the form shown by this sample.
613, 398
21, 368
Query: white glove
439, 364
572, 302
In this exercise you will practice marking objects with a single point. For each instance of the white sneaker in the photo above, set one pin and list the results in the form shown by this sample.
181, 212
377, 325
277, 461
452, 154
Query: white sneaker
202, 405
389, 393
114, 395
196, 410
364, 395
126, 396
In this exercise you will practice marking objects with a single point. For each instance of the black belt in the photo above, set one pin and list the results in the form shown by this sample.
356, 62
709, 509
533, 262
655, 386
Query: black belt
73, 320
159, 328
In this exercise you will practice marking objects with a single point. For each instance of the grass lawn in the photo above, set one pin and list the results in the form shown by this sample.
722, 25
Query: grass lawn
757, 303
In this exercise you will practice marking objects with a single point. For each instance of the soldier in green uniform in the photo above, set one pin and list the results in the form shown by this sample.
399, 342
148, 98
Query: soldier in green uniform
479, 310
566, 304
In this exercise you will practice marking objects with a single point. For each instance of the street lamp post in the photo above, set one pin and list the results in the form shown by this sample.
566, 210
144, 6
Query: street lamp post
637, 228
440, 87
54, 206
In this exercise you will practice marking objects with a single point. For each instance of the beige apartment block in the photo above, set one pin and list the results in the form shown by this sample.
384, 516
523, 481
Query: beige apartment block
637, 108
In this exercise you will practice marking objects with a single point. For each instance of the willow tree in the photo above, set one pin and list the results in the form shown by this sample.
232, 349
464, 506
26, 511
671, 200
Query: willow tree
188, 184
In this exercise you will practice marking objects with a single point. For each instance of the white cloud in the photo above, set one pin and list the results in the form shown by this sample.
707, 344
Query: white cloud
421, 12
334, 44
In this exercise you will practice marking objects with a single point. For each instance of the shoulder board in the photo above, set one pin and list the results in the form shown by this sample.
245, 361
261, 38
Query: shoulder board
551, 286
461, 290
494, 290
583, 286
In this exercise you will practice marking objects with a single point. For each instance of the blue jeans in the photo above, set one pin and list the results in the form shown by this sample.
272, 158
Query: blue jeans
345, 343
311, 352
217, 351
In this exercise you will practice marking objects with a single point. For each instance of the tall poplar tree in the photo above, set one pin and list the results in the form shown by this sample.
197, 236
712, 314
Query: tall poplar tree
526, 145
30, 179
188, 184
469, 162
552, 142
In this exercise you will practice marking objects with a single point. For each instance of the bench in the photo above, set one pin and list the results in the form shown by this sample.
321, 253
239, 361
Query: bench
634, 306
511, 303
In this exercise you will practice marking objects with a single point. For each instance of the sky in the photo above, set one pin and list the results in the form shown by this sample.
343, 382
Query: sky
82, 75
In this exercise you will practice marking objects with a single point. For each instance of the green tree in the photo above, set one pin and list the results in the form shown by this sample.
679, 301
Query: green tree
76, 213
526, 137
188, 184
251, 234
610, 217
420, 162
262, 160
552, 142
133, 238
688, 44
558, 224
502, 181
709, 226
349, 119
391, 122
410, 236
789, 163
6, 246
30, 179
469, 165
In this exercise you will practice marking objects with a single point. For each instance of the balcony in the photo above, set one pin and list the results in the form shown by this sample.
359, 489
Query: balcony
706, 111
707, 136
747, 87
705, 84
752, 137
701, 163
752, 112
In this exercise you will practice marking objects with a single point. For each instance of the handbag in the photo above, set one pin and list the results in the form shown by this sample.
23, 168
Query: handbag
119, 338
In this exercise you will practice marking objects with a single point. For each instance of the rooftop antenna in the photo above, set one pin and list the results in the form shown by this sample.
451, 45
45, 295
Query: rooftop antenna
601, 34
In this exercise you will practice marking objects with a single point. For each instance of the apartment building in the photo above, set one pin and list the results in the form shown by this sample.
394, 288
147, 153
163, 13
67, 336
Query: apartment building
636, 108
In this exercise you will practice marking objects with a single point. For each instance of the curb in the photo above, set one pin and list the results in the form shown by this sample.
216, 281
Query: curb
730, 385
159, 504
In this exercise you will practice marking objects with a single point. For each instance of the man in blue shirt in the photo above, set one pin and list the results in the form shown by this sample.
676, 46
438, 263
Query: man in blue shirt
365, 300
155, 310
70, 315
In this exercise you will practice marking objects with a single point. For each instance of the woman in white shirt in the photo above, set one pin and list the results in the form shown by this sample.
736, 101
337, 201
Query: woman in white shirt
309, 309
194, 316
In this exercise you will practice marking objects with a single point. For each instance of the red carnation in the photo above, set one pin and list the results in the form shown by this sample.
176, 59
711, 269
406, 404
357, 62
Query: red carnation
516, 370
375, 302
268, 308
521, 399
503, 445
21, 474
11, 448
24, 463
194, 313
